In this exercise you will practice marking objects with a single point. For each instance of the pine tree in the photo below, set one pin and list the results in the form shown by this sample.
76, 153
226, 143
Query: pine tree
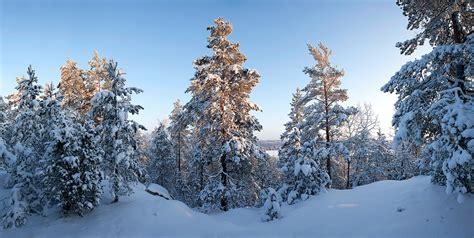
435, 108
162, 163
440, 22
302, 176
291, 150
220, 109
180, 135
96, 78
25, 198
6, 156
310, 179
118, 132
72, 175
293, 126
323, 113
72, 87
3, 115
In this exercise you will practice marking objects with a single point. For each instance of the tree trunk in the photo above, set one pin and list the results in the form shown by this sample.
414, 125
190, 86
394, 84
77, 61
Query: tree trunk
327, 128
115, 186
179, 152
401, 177
224, 205
115, 137
458, 38
224, 136
348, 174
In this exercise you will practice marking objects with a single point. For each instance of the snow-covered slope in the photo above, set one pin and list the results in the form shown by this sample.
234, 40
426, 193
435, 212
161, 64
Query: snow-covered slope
411, 208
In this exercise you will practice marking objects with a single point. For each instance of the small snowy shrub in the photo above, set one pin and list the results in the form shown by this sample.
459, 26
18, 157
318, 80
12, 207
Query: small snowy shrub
272, 205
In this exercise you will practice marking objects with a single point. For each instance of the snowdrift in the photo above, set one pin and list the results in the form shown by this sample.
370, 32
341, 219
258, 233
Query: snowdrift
411, 208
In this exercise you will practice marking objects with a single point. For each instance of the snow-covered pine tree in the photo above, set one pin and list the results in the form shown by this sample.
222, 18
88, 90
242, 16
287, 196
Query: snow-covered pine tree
72, 175
118, 132
90, 157
96, 78
161, 166
440, 22
435, 106
309, 179
6, 157
323, 113
272, 205
290, 150
180, 135
25, 170
292, 142
3, 115
72, 87
220, 108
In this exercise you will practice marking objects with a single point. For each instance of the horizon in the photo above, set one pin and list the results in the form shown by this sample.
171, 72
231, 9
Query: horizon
361, 35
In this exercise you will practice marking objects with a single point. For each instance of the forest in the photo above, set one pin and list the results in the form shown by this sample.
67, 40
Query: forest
74, 146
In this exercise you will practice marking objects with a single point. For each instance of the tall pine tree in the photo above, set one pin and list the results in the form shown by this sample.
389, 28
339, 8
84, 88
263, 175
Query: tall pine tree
323, 113
118, 132
221, 110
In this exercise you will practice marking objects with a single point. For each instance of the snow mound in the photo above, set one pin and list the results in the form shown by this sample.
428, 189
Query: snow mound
158, 190
410, 208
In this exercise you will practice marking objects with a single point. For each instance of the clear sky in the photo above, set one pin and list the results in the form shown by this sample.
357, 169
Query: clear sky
155, 42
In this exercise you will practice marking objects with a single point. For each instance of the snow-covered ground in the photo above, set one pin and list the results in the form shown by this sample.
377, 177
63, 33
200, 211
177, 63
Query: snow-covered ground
272, 153
411, 208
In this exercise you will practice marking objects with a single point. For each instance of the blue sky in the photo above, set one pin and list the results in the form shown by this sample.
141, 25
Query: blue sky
155, 42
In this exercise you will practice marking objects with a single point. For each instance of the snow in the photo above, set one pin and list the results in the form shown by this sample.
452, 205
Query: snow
156, 188
273, 153
306, 169
410, 208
